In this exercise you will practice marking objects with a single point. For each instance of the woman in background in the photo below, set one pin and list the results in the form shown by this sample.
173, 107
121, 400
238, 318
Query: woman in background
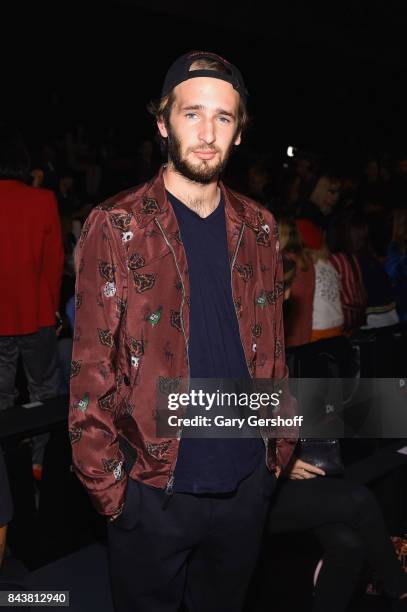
381, 301
298, 313
327, 312
346, 263
396, 261
347, 521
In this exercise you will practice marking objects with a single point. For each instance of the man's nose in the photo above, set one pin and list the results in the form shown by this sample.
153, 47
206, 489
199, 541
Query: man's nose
207, 132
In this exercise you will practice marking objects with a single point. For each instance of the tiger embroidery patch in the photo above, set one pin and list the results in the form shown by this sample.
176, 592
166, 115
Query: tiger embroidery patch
245, 271
75, 434
159, 451
107, 271
136, 261
107, 403
175, 320
121, 221
75, 368
143, 282
106, 337
136, 347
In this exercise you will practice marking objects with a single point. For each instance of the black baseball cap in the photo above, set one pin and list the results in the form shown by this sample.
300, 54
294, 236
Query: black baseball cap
180, 71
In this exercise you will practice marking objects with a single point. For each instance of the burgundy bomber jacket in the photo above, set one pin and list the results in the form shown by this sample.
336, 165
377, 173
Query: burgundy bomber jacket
132, 327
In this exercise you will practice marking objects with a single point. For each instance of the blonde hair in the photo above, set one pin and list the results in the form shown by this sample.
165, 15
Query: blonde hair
291, 242
322, 254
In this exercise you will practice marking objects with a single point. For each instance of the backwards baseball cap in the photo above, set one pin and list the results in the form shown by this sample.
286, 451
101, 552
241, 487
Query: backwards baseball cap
181, 71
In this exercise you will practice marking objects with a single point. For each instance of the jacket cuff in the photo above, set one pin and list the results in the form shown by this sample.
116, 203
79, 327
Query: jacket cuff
109, 502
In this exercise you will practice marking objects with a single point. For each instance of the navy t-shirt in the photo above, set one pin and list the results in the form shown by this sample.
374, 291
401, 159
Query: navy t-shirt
6, 505
209, 465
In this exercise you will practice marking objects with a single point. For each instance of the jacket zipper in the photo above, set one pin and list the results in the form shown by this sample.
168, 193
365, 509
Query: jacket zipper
170, 483
233, 297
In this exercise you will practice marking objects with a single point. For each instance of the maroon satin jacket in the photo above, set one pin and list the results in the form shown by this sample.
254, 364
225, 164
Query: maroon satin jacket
132, 327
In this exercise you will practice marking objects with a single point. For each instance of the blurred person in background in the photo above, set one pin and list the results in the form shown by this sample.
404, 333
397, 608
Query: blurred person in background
347, 521
347, 265
146, 161
350, 196
93, 175
303, 182
298, 308
396, 261
259, 186
322, 201
289, 269
327, 312
343, 516
374, 191
68, 202
48, 164
36, 177
380, 295
399, 184
32, 259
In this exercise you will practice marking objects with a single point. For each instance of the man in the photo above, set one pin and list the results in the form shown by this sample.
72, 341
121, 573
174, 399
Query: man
31, 256
178, 278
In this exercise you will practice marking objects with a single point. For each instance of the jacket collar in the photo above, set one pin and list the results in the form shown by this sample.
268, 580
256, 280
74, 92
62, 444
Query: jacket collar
154, 203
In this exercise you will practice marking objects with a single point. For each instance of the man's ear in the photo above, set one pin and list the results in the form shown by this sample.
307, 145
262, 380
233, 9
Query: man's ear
162, 128
238, 139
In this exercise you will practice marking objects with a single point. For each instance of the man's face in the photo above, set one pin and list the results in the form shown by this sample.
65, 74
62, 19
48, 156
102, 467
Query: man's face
202, 128
331, 198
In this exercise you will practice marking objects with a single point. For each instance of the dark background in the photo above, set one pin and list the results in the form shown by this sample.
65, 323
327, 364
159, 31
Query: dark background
329, 76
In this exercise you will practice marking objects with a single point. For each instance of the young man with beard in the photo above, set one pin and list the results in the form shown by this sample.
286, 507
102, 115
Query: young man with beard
180, 277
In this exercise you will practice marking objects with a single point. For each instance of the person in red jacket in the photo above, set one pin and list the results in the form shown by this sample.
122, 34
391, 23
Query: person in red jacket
31, 256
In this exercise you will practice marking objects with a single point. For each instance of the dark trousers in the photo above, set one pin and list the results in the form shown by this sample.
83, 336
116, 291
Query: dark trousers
39, 356
199, 550
348, 522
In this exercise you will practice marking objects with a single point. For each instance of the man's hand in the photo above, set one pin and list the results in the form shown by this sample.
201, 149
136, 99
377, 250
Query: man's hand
300, 470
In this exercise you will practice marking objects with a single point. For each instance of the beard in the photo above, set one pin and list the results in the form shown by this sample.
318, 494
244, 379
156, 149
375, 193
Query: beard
202, 172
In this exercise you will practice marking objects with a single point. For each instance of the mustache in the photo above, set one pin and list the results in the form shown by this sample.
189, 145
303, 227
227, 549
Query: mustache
207, 150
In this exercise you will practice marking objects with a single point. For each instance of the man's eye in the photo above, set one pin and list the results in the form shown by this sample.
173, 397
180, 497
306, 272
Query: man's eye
190, 115
224, 120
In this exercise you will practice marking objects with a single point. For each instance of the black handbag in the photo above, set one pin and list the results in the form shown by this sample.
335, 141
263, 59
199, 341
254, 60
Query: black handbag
323, 453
